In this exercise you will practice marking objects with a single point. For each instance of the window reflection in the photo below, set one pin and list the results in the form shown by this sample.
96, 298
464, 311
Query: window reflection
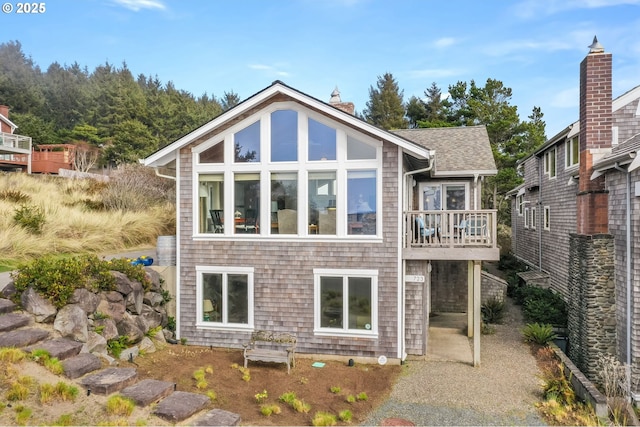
284, 136
247, 144
322, 141
322, 203
361, 200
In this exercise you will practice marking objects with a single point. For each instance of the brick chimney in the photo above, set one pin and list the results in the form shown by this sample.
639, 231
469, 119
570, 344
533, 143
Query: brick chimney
335, 100
4, 110
595, 139
5, 127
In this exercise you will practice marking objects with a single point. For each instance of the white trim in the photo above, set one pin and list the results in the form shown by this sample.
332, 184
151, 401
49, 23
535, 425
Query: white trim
345, 274
534, 219
225, 271
178, 251
526, 218
12, 125
546, 218
399, 262
625, 99
167, 153
464, 173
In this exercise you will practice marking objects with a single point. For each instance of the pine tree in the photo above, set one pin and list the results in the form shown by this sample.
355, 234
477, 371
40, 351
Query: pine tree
385, 107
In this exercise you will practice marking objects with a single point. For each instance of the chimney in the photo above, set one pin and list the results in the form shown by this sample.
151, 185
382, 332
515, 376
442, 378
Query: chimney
335, 100
595, 139
4, 110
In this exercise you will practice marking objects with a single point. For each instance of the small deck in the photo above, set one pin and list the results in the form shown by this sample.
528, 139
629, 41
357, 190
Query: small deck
451, 235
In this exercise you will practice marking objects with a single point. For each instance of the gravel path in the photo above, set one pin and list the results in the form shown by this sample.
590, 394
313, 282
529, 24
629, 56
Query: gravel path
502, 391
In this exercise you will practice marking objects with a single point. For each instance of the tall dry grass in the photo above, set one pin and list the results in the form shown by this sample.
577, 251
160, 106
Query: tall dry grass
75, 218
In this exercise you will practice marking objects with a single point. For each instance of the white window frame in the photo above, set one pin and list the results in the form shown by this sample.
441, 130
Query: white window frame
546, 221
520, 204
526, 218
225, 271
547, 163
345, 274
302, 166
570, 162
533, 218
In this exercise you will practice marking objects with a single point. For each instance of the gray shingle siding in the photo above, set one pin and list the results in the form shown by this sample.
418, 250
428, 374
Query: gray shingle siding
283, 276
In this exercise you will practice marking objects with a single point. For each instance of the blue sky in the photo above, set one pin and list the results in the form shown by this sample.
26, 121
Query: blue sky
532, 46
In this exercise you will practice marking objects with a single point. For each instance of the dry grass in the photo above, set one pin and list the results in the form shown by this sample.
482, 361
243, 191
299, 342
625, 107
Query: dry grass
71, 227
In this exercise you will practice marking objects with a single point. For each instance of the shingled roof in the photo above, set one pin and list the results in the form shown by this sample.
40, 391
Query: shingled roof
461, 150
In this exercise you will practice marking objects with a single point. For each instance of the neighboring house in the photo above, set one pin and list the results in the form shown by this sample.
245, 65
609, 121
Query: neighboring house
15, 150
296, 216
575, 219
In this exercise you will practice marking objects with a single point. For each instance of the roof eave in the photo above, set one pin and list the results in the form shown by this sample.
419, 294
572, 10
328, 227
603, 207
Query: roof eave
464, 173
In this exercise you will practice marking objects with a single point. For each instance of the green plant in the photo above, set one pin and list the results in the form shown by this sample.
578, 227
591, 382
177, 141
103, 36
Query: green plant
166, 296
54, 365
300, 406
493, 311
198, 374
116, 345
345, 416
99, 329
30, 217
183, 341
14, 196
267, 410
11, 354
351, 398
556, 385
322, 418
98, 315
22, 415
17, 391
335, 389
65, 420
538, 333
288, 397
119, 405
362, 396
261, 397
212, 395
171, 323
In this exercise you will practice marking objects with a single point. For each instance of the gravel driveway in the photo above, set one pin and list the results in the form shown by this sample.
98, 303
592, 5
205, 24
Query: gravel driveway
502, 391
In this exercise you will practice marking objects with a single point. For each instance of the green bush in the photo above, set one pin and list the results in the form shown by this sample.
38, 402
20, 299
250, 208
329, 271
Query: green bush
493, 311
542, 306
30, 217
537, 333
56, 278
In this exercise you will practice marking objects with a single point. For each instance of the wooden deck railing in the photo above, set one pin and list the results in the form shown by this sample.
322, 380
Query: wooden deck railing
451, 229
10, 140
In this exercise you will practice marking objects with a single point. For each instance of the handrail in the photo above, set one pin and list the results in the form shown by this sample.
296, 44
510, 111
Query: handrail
15, 141
450, 229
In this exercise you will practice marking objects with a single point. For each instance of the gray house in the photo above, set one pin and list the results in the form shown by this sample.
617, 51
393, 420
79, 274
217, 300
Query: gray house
296, 216
575, 221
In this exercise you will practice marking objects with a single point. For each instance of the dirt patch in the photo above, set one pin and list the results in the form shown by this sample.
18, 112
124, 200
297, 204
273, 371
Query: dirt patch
310, 384
178, 363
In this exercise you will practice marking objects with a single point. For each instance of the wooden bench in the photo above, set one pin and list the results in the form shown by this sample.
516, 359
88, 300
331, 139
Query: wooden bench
275, 347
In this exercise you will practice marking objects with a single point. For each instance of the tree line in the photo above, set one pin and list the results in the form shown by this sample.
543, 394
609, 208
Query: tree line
125, 118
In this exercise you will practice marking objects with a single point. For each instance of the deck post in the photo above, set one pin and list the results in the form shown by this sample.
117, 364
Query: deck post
477, 274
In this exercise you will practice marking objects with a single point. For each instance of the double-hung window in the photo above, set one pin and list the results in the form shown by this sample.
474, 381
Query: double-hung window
550, 163
224, 297
346, 302
572, 152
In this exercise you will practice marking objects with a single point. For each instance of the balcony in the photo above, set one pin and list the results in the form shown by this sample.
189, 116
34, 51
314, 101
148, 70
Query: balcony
451, 235
10, 143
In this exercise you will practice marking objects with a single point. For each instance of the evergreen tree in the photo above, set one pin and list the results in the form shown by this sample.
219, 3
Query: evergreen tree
385, 107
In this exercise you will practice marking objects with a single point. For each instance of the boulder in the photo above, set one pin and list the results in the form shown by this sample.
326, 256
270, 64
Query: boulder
135, 298
155, 279
41, 308
130, 353
147, 345
151, 316
111, 305
130, 327
71, 322
154, 299
86, 299
96, 343
109, 328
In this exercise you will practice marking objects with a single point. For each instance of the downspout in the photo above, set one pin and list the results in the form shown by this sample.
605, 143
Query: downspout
628, 249
537, 216
164, 176
405, 204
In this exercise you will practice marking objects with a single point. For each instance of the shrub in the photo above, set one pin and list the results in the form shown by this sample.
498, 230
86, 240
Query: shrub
543, 306
267, 410
493, 311
362, 396
300, 406
555, 384
116, 345
345, 416
135, 188
288, 397
119, 405
351, 398
30, 217
538, 333
322, 418
335, 389
11, 354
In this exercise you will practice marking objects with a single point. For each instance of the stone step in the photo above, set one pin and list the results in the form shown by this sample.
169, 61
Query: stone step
22, 337
11, 321
180, 405
148, 391
62, 348
109, 380
218, 417
77, 366
6, 306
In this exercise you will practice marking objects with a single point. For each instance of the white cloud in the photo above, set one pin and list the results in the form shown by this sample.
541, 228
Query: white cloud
137, 5
533, 8
271, 70
444, 42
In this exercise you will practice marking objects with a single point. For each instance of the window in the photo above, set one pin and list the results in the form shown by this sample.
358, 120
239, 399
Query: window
533, 218
322, 141
284, 203
246, 208
361, 200
225, 297
284, 136
455, 196
288, 173
322, 202
526, 217
520, 204
346, 302
572, 152
550, 163
547, 218
211, 203
247, 144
